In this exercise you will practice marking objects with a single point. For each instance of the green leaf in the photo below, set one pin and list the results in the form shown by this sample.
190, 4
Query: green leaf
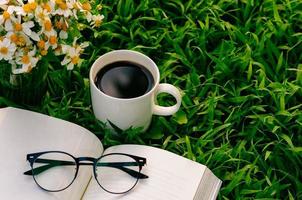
180, 117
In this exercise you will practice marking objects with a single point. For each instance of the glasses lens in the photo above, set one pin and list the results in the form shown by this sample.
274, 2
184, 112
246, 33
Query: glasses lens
54, 171
117, 173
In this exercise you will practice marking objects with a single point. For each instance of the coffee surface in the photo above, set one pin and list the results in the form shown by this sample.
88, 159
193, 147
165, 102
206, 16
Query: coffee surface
124, 79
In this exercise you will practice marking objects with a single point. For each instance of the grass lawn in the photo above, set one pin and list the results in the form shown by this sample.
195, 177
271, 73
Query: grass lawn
239, 66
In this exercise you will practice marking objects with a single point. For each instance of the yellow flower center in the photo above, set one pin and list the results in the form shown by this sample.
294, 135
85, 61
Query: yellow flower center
18, 27
52, 40
98, 23
41, 44
75, 60
47, 25
14, 38
86, 6
4, 50
25, 59
64, 26
33, 6
43, 52
63, 6
58, 25
21, 41
46, 7
27, 8
6, 15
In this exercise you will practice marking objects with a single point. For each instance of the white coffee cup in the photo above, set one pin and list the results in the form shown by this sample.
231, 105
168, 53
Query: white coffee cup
130, 112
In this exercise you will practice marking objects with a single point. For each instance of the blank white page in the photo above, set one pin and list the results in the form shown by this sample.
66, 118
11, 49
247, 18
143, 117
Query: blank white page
171, 177
23, 132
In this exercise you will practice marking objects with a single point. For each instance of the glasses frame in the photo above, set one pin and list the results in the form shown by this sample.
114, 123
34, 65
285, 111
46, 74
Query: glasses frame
32, 157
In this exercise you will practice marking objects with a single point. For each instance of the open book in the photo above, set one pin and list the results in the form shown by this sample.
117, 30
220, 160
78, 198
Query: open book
171, 177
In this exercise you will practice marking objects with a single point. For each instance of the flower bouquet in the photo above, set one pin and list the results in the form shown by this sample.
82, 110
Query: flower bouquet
32, 34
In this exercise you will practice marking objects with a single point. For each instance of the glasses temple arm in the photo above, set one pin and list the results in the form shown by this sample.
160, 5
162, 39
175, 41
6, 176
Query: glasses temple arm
51, 164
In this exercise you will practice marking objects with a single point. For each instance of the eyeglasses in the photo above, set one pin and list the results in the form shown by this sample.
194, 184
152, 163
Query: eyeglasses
116, 173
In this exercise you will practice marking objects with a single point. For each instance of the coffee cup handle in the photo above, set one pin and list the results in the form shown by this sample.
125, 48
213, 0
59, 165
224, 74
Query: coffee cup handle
170, 110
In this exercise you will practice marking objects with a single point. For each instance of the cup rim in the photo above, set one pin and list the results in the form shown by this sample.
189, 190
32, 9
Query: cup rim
156, 79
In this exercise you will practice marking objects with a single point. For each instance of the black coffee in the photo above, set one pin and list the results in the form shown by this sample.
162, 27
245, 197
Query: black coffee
124, 79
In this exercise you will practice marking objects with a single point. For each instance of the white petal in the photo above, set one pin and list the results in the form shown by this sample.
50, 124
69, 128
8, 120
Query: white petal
63, 35
65, 48
1, 19
18, 71
6, 42
29, 24
65, 61
34, 36
26, 30
70, 66
12, 48
3, 2
8, 25
89, 17
84, 45
11, 9
34, 62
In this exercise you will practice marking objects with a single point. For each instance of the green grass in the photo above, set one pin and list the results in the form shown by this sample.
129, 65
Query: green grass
239, 65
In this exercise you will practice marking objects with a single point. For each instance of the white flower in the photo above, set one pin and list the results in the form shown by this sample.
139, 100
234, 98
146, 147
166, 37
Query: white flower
7, 17
26, 60
96, 20
43, 11
7, 49
47, 27
63, 26
24, 27
72, 57
26, 9
41, 14
52, 39
79, 48
64, 8
19, 39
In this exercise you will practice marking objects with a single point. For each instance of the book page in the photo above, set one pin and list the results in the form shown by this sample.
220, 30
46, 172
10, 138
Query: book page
171, 177
23, 132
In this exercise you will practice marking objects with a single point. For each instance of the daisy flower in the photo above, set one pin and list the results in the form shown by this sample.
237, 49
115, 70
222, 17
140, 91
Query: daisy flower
52, 39
41, 14
86, 8
24, 27
26, 60
72, 54
64, 8
7, 49
19, 39
62, 25
47, 27
7, 17
72, 57
30, 29
48, 6
96, 20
